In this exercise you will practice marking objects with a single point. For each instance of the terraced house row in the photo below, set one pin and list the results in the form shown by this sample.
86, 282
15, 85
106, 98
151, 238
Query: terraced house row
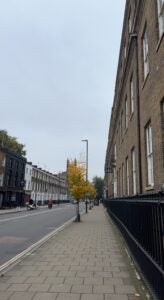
21, 180
42, 185
135, 151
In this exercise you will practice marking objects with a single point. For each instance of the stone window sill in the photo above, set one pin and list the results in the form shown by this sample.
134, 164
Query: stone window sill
150, 188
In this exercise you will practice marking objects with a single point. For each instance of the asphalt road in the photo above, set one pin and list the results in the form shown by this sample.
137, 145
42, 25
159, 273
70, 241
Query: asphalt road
18, 231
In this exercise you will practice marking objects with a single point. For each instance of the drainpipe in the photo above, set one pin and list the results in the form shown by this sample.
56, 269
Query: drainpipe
134, 35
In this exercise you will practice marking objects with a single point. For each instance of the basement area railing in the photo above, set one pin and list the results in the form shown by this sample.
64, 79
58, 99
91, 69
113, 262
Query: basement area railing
141, 221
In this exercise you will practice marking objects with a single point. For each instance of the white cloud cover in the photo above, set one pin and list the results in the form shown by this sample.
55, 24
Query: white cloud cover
58, 63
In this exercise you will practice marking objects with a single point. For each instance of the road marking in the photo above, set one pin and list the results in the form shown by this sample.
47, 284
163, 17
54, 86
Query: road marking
13, 261
25, 216
30, 215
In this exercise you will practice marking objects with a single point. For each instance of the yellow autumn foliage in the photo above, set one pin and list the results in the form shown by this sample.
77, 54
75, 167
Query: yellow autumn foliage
76, 180
90, 190
78, 186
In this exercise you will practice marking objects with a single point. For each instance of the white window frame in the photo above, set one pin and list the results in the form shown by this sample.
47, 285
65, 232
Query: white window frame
120, 137
145, 53
127, 177
162, 123
134, 171
149, 156
160, 4
115, 182
119, 181
131, 95
123, 180
115, 152
122, 124
125, 50
130, 22
126, 113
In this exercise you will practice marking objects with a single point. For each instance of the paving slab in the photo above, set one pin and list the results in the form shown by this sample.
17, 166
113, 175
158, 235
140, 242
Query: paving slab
113, 281
103, 274
38, 279
45, 296
85, 261
18, 287
21, 296
93, 280
5, 295
74, 280
39, 287
84, 274
4, 286
66, 296
55, 280
116, 297
60, 288
77, 268
94, 268
45, 268
16, 279
103, 289
91, 297
66, 274
81, 289
125, 289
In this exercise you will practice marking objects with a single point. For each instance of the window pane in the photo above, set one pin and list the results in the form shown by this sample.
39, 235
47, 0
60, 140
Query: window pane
145, 54
115, 182
130, 22
132, 95
126, 113
161, 16
127, 176
134, 171
149, 153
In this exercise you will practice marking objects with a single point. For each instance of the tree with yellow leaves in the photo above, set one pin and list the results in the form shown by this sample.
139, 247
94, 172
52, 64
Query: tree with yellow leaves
76, 183
78, 186
90, 192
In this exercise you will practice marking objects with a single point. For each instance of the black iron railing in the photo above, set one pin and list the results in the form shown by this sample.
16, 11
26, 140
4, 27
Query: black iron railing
141, 220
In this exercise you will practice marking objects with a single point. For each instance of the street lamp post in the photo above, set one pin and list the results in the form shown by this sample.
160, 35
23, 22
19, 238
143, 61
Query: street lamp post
58, 187
86, 201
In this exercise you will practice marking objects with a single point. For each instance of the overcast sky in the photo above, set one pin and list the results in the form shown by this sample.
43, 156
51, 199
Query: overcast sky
58, 62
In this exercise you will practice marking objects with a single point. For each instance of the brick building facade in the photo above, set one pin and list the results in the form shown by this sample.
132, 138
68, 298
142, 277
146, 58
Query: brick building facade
135, 152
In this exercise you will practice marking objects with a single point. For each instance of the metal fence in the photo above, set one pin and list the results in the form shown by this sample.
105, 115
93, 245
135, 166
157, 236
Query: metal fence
141, 221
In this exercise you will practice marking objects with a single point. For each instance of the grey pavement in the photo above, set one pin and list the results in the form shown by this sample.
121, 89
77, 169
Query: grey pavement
85, 261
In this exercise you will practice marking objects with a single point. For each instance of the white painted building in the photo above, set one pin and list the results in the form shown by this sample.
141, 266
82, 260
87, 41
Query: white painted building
46, 185
41, 185
28, 181
28, 177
